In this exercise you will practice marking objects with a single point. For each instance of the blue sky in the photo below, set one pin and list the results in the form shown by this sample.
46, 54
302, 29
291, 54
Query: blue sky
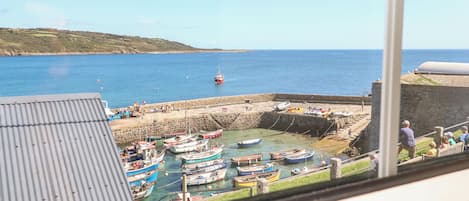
251, 24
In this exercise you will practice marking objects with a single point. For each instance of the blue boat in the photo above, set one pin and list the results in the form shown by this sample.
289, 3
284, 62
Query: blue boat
249, 143
255, 169
300, 158
141, 162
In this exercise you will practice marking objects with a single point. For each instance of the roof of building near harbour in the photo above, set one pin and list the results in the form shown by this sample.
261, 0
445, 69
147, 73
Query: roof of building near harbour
439, 74
58, 147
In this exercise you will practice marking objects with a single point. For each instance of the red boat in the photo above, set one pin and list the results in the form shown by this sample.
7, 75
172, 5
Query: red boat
219, 78
213, 134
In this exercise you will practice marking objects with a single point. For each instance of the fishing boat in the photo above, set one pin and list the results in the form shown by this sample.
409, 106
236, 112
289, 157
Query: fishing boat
206, 169
212, 135
143, 191
251, 180
299, 158
281, 154
249, 159
282, 106
174, 134
249, 143
206, 178
194, 166
212, 154
255, 169
141, 163
190, 146
219, 78
177, 140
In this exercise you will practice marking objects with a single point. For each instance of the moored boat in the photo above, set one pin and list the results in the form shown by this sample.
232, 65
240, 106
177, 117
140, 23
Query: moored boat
205, 169
212, 154
282, 106
212, 135
206, 178
299, 158
141, 163
255, 169
249, 143
219, 78
194, 166
177, 140
251, 180
143, 191
190, 146
249, 159
282, 154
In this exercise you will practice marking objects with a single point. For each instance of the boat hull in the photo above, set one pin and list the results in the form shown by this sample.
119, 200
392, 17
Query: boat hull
246, 160
193, 166
213, 157
188, 147
213, 134
252, 181
304, 158
249, 143
244, 173
206, 178
283, 154
142, 170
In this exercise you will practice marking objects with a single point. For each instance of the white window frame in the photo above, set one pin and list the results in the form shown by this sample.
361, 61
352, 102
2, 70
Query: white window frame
391, 89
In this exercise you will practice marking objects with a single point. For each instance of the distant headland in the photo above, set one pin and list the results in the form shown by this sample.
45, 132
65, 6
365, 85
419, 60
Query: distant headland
47, 41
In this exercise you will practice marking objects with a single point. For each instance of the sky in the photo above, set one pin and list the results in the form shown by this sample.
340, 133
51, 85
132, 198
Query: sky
251, 24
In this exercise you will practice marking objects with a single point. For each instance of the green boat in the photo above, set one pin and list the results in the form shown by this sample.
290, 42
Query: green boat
212, 154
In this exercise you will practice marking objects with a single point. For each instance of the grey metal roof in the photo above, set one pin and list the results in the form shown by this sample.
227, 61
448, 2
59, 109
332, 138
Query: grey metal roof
58, 147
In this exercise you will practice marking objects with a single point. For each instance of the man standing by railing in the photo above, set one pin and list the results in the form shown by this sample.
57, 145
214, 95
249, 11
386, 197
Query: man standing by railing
464, 137
407, 139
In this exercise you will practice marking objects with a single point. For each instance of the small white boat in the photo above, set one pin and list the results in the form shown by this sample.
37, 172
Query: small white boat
190, 146
249, 143
194, 166
282, 106
212, 154
206, 178
341, 114
177, 140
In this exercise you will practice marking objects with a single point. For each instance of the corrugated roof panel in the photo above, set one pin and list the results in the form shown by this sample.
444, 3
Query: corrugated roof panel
58, 148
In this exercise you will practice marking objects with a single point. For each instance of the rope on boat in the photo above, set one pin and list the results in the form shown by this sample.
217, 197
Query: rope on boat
160, 187
275, 123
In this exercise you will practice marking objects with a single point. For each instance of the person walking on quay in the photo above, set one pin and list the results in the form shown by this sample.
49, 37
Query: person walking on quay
407, 139
464, 138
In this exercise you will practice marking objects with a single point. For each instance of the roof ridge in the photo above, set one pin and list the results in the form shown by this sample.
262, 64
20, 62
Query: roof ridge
48, 98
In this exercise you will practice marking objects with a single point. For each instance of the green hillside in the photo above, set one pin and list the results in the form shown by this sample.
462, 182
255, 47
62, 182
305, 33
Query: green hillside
52, 41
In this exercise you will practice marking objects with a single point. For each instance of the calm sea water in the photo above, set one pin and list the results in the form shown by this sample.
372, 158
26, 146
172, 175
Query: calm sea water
124, 79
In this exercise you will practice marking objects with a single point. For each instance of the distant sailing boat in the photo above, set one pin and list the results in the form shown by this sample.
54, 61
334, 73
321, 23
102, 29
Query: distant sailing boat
219, 78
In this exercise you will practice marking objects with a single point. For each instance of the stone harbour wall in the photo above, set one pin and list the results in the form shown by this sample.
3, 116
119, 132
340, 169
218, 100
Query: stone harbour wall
424, 106
293, 123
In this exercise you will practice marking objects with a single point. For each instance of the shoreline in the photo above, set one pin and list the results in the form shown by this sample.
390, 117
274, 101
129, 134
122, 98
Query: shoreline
108, 53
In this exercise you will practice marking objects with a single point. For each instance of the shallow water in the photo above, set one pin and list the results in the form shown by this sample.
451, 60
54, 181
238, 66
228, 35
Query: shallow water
272, 141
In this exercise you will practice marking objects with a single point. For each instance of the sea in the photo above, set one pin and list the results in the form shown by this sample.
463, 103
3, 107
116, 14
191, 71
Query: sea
125, 79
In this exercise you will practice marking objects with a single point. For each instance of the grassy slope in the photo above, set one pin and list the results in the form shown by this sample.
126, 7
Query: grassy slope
25, 41
356, 167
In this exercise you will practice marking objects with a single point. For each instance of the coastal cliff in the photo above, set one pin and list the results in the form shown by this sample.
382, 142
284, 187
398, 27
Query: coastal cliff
41, 41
